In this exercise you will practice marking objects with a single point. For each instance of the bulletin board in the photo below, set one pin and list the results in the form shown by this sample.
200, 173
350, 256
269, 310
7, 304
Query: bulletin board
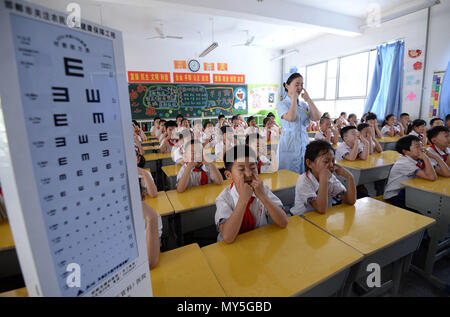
68, 167
190, 100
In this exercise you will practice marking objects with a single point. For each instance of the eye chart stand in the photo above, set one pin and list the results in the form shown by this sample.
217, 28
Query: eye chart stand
67, 163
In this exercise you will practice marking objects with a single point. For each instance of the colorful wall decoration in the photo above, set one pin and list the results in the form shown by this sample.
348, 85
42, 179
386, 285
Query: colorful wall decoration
438, 77
262, 97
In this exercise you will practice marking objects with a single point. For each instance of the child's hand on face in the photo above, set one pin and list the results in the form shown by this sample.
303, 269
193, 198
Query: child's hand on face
245, 190
324, 175
258, 186
339, 170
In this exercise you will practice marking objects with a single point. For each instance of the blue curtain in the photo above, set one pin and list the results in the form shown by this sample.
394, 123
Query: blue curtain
385, 94
444, 99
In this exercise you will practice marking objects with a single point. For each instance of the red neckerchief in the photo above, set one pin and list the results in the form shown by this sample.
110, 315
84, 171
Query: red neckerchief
420, 136
172, 144
204, 178
420, 164
268, 136
444, 157
260, 163
248, 221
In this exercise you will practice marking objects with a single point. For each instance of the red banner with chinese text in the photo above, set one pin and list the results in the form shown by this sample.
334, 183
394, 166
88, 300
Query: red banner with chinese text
191, 78
148, 77
228, 79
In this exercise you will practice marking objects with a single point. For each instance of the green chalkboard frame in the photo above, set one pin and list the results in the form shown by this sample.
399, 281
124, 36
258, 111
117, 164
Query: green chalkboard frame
141, 110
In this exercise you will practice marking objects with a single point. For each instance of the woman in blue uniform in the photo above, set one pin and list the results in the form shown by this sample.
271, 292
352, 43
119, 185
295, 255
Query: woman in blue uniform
295, 116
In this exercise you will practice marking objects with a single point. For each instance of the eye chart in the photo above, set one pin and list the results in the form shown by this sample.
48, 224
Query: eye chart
75, 215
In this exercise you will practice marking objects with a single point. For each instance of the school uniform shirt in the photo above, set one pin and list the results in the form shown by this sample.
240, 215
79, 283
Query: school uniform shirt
306, 191
197, 176
343, 149
177, 152
320, 135
387, 128
437, 151
251, 130
419, 135
264, 164
227, 201
405, 168
238, 130
219, 150
209, 140
269, 134
170, 144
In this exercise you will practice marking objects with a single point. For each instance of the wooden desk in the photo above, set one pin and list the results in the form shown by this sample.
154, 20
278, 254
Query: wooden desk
375, 168
384, 233
298, 260
155, 161
161, 204
432, 199
151, 149
388, 143
184, 272
20, 292
6, 238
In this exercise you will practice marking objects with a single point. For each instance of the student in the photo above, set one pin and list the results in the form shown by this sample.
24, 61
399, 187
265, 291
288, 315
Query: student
269, 131
419, 128
168, 141
405, 121
326, 115
277, 128
139, 131
363, 118
414, 162
178, 119
326, 132
247, 203
242, 121
368, 132
252, 127
353, 146
196, 171
225, 141
153, 230
221, 122
162, 129
185, 124
316, 189
266, 163
447, 120
372, 120
236, 125
343, 118
439, 138
208, 138
435, 122
352, 120
178, 150
390, 127
154, 131
313, 126
145, 177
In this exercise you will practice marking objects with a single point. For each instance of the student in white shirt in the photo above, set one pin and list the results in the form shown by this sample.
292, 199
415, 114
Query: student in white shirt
178, 150
405, 122
372, 120
247, 203
266, 162
368, 132
390, 127
353, 146
169, 138
208, 138
270, 132
326, 132
252, 127
352, 120
196, 171
436, 122
414, 162
145, 177
439, 137
154, 131
221, 122
418, 128
318, 186
162, 130
236, 125
225, 141
343, 118
276, 127
242, 121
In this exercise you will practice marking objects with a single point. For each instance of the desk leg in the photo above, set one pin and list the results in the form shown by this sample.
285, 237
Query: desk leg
397, 275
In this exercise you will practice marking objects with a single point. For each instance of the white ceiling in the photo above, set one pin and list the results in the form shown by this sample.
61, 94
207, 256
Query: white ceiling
138, 18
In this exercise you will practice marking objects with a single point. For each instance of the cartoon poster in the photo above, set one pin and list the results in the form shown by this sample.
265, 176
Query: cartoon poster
262, 97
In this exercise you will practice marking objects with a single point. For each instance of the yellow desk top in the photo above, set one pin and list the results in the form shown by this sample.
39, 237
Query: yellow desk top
184, 272
151, 147
20, 292
388, 139
157, 156
160, 203
196, 196
441, 186
370, 224
172, 170
6, 238
384, 158
279, 180
271, 261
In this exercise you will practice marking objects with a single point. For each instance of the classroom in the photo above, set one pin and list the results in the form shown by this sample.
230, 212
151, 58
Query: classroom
260, 148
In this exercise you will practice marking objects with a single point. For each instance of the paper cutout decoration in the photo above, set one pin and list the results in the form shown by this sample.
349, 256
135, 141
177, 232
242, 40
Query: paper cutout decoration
418, 66
414, 53
411, 96
411, 80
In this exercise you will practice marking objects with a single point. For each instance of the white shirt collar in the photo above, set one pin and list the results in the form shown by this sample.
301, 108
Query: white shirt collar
234, 193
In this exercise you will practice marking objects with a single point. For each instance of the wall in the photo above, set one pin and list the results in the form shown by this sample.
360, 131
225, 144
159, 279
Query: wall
411, 28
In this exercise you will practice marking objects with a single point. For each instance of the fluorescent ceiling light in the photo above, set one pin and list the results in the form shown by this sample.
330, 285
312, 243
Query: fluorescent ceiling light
209, 49
288, 53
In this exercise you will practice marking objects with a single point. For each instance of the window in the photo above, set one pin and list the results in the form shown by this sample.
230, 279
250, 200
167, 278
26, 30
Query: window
315, 80
341, 84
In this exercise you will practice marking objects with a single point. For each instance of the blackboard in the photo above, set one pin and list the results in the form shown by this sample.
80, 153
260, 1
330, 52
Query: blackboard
190, 100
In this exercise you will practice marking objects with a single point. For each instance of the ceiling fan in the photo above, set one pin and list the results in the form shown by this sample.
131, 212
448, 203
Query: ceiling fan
248, 42
161, 35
